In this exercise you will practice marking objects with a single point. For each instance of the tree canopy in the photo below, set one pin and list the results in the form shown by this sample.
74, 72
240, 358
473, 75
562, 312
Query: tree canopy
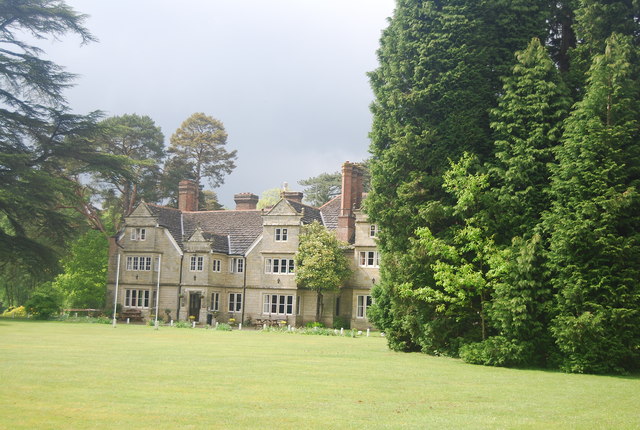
508, 217
321, 264
200, 142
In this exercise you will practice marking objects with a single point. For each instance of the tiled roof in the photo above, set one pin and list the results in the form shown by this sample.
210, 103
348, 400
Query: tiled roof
169, 218
233, 232
309, 213
219, 242
242, 227
330, 212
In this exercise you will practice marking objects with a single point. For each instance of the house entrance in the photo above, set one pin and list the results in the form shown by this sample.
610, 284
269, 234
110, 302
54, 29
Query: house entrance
195, 300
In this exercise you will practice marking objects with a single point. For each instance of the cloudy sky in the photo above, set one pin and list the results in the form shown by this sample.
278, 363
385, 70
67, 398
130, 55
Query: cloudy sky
286, 77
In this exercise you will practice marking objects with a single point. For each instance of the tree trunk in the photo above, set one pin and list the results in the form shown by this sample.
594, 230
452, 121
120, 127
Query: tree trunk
319, 307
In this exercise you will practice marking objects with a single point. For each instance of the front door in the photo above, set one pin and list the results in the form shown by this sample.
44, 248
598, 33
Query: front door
194, 305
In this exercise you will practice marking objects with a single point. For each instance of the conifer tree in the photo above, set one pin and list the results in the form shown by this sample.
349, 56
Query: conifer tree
527, 125
594, 224
440, 63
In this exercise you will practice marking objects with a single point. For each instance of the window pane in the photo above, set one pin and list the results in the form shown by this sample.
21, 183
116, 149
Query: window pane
276, 265
289, 305
274, 304
238, 302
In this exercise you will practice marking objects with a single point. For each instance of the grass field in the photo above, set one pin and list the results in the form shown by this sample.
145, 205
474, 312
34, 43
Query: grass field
60, 375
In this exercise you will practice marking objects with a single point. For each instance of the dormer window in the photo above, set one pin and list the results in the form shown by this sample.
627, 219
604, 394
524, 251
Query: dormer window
138, 234
373, 230
282, 235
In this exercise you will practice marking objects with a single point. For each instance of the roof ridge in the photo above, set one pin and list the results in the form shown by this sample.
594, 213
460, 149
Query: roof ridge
330, 200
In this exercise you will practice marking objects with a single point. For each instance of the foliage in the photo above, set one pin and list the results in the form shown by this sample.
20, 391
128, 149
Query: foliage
509, 238
314, 324
83, 282
85, 319
322, 188
223, 327
594, 225
321, 264
200, 142
44, 302
182, 324
15, 312
43, 148
341, 322
495, 351
269, 198
439, 76
140, 142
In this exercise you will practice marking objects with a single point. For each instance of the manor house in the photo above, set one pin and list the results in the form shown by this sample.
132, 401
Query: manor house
239, 264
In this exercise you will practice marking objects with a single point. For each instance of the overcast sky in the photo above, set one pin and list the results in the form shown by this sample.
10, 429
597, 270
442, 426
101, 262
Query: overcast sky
286, 77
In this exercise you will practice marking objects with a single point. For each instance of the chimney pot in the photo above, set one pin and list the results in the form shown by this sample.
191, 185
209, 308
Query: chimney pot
296, 196
246, 201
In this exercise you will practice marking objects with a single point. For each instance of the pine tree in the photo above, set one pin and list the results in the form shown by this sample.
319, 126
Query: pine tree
594, 224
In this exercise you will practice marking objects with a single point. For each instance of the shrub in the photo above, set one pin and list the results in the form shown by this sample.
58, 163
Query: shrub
44, 302
223, 327
314, 324
13, 312
496, 351
341, 322
181, 324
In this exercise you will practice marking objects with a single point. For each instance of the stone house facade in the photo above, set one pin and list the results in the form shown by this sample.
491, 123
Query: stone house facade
239, 264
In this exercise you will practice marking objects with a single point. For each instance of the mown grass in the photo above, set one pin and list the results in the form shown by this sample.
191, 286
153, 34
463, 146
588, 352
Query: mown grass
55, 375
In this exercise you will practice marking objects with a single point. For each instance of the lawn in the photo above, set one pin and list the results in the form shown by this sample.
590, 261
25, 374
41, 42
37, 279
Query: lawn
60, 375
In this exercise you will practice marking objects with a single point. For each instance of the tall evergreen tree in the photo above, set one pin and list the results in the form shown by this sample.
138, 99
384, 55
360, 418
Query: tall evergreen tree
595, 220
440, 63
527, 127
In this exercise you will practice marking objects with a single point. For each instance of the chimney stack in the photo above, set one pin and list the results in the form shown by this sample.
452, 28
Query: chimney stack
352, 189
296, 196
187, 196
246, 201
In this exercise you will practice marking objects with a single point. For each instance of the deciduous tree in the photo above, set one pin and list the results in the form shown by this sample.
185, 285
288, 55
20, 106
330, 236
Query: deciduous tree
321, 264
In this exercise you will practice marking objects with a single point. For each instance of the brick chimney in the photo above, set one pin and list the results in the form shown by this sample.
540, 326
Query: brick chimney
187, 196
351, 199
295, 196
245, 201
